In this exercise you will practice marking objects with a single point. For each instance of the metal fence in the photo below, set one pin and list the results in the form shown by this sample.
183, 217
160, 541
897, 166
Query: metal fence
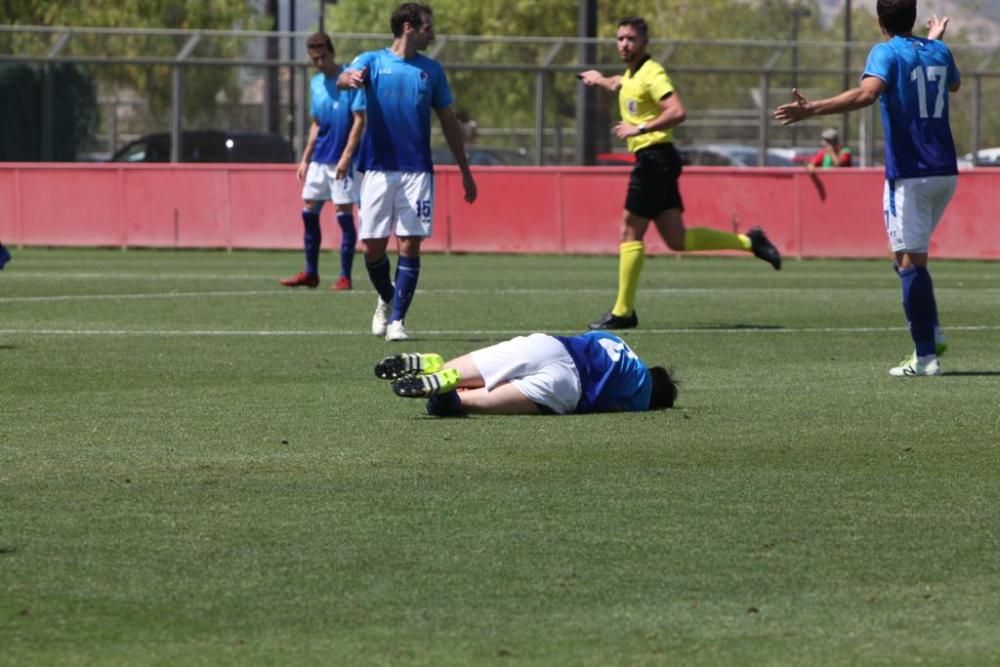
520, 91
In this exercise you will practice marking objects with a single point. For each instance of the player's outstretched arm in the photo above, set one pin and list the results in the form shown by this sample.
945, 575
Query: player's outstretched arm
592, 77
352, 78
936, 26
801, 108
452, 131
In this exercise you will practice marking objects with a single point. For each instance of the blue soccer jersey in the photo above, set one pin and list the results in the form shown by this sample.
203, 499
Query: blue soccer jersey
400, 94
612, 377
331, 108
917, 73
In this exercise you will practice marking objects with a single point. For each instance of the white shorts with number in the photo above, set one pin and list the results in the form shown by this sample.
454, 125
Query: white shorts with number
322, 184
912, 208
538, 365
396, 202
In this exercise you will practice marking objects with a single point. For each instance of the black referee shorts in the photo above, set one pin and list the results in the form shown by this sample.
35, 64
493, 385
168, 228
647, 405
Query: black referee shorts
652, 187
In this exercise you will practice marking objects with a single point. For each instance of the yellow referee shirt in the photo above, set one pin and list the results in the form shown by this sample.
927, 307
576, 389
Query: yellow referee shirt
639, 101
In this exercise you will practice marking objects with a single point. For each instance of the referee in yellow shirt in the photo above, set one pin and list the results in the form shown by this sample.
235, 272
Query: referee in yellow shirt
650, 109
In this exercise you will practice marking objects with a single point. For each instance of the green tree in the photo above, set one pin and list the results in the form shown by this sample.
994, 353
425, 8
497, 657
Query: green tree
201, 84
507, 99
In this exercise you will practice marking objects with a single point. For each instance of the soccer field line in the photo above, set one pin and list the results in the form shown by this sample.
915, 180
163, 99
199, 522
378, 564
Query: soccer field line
495, 291
457, 332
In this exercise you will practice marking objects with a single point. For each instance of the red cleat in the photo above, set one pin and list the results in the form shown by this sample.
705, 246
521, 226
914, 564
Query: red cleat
308, 279
343, 284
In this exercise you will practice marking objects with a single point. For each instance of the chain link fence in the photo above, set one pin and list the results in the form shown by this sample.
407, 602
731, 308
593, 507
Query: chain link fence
519, 95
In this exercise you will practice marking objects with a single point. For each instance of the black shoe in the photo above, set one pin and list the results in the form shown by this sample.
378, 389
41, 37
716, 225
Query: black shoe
448, 404
763, 248
407, 364
611, 321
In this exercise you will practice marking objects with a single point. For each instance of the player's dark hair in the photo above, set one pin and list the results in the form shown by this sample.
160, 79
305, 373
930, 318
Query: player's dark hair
318, 40
636, 22
897, 16
664, 388
409, 12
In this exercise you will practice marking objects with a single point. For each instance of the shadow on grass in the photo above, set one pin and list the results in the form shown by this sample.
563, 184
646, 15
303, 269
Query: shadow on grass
971, 373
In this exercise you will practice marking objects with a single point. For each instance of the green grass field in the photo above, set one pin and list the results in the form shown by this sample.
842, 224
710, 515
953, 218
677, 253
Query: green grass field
198, 467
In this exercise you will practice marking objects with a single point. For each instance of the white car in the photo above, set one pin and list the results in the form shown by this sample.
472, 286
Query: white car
987, 157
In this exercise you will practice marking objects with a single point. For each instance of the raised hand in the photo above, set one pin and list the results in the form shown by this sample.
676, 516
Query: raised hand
936, 27
794, 111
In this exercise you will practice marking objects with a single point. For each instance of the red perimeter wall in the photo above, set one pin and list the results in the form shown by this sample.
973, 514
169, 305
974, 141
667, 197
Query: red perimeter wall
523, 209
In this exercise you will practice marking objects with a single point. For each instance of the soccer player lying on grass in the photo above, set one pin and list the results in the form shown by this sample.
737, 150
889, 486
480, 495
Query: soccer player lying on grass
533, 375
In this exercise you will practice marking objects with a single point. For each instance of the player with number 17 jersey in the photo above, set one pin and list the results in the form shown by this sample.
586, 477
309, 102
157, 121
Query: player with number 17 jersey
917, 73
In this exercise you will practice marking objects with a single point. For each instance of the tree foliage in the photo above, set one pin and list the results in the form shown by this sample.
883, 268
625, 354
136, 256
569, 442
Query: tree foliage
201, 84
496, 99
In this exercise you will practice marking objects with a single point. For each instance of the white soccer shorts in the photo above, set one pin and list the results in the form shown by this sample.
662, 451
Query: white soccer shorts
912, 208
538, 365
322, 184
396, 202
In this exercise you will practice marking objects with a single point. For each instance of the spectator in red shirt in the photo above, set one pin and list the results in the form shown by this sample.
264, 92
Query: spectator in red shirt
832, 154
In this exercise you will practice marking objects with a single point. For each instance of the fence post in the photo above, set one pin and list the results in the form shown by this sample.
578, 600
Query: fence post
977, 92
763, 130
176, 110
540, 116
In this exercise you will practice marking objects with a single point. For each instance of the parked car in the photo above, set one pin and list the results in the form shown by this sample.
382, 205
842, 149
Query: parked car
729, 155
480, 156
986, 157
800, 155
209, 146
708, 155
614, 159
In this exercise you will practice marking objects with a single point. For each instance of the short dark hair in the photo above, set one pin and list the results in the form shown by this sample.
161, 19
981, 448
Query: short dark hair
409, 12
318, 40
664, 388
636, 22
897, 16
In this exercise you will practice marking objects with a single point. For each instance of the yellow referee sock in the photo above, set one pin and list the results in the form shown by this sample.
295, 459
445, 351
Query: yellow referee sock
631, 256
703, 238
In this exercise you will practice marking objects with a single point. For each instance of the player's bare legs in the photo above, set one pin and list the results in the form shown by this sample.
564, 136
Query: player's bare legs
504, 399
469, 373
409, 246
670, 224
374, 249
907, 259
633, 227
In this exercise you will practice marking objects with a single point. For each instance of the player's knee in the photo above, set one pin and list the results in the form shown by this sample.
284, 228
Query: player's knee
675, 243
409, 246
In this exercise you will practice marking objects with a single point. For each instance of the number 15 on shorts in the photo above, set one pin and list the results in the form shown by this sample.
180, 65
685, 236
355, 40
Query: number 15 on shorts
424, 210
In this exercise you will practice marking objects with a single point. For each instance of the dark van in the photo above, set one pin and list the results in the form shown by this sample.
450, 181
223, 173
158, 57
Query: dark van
209, 146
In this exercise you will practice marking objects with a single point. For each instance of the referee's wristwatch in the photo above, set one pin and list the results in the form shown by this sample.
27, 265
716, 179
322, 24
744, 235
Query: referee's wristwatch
641, 127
